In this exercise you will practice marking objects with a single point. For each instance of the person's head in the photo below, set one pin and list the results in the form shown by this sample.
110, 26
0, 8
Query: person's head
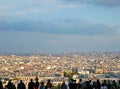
10, 81
63, 82
72, 80
119, 81
104, 81
31, 80
20, 81
80, 80
36, 79
48, 80
113, 81
42, 83
98, 80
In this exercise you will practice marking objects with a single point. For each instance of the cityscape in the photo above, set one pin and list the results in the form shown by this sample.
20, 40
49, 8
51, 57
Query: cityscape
91, 65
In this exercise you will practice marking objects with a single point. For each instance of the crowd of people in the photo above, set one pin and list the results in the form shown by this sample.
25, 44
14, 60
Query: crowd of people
106, 84
31, 85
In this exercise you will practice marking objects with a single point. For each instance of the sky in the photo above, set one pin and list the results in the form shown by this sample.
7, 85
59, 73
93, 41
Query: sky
53, 26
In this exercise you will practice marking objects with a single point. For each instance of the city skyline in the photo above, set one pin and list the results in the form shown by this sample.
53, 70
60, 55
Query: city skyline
59, 26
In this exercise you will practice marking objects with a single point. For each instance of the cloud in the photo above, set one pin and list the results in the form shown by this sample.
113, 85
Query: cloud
35, 10
69, 6
107, 3
4, 8
26, 41
18, 14
59, 27
8, 7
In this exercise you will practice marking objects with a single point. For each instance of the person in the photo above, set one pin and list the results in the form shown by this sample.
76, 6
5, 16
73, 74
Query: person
94, 86
63, 86
36, 85
42, 85
114, 84
90, 84
104, 86
98, 84
80, 84
13, 86
87, 84
9, 85
118, 85
1, 85
31, 84
109, 85
21, 85
48, 85
72, 84
69, 84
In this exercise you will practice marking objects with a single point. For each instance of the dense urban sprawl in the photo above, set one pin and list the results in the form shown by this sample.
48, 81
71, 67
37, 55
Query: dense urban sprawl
54, 67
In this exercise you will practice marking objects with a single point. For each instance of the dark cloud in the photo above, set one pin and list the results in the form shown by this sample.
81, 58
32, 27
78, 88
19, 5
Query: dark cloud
107, 3
61, 27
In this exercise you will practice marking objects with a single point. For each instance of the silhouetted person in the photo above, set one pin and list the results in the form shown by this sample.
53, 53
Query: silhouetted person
103, 86
109, 85
63, 86
98, 84
31, 84
72, 84
10, 85
94, 86
114, 84
118, 85
36, 85
42, 85
90, 84
21, 85
87, 85
105, 82
48, 85
80, 84
13, 87
1, 85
